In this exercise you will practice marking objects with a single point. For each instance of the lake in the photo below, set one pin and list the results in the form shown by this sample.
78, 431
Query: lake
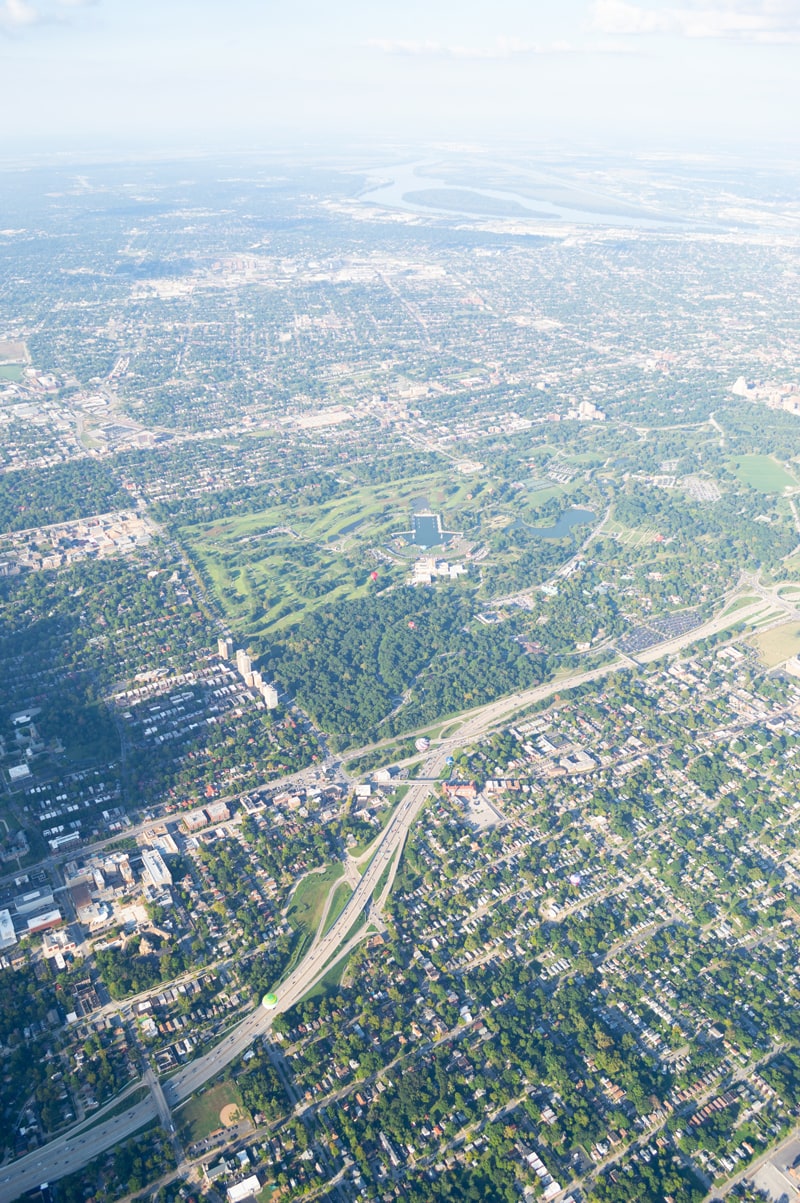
570, 518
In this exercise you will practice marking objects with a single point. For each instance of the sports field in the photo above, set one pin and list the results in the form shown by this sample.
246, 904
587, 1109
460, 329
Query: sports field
214, 1108
779, 644
763, 472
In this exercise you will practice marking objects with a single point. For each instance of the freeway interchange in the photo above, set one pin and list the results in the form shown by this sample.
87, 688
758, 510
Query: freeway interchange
85, 1141
80, 1145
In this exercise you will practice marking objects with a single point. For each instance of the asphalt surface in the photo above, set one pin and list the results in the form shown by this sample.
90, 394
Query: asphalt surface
73, 1150
70, 1152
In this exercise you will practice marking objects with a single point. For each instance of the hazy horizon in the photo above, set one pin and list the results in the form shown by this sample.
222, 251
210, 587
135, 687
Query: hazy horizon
103, 77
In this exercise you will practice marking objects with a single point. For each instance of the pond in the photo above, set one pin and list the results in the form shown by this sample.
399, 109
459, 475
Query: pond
567, 520
428, 530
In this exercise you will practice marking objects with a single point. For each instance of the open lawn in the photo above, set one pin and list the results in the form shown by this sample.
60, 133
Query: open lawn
11, 371
738, 603
763, 472
330, 983
779, 644
341, 896
201, 1114
308, 900
270, 567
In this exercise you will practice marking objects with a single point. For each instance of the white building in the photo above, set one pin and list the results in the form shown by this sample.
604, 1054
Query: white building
156, 866
8, 936
270, 695
248, 1188
36, 900
427, 568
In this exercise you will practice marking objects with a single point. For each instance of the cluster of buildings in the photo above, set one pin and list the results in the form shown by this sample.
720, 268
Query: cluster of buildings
586, 411
428, 569
28, 913
696, 488
251, 677
774, 396
65, 543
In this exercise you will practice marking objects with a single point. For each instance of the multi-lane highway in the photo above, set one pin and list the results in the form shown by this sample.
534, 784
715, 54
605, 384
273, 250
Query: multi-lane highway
70, 1152
75, 1148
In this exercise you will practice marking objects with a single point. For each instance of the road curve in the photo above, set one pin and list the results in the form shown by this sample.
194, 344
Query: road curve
74, 1149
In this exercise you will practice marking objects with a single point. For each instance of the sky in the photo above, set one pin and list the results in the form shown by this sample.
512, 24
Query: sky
693, 75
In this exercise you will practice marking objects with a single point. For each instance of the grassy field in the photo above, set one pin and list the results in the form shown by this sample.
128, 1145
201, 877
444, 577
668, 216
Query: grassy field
331, 982
271, 567
763, 618
288, 560
308, 900
739, 604
201, 1114
763, 472
778, 645
341, 896
11, 371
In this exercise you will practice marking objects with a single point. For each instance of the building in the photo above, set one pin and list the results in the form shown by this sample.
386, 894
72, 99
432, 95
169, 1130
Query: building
195, 820
156, 867
44, 922
61, 841
36, 900
218, 812
427, 568
270, 695
467, 790
56, 943
244, 664
248, 1188
225, 648
8, 936
212, 1172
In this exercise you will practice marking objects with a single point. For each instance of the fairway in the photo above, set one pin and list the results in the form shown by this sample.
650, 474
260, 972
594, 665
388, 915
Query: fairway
778, 645
308, 900
270, 567
763, 472
203, 1113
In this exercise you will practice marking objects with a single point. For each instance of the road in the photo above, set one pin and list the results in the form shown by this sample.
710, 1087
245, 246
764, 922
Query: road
71, 1151
68, 1153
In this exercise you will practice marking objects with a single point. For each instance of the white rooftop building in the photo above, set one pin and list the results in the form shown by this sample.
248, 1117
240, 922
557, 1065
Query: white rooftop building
248, 1188
8, 936
156, 866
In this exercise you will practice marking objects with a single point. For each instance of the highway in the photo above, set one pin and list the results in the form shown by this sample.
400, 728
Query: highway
69, 1152
83, 1142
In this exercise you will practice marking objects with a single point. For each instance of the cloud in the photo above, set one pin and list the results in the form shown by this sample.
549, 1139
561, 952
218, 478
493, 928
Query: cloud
760, 21
18, 14
501, 48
